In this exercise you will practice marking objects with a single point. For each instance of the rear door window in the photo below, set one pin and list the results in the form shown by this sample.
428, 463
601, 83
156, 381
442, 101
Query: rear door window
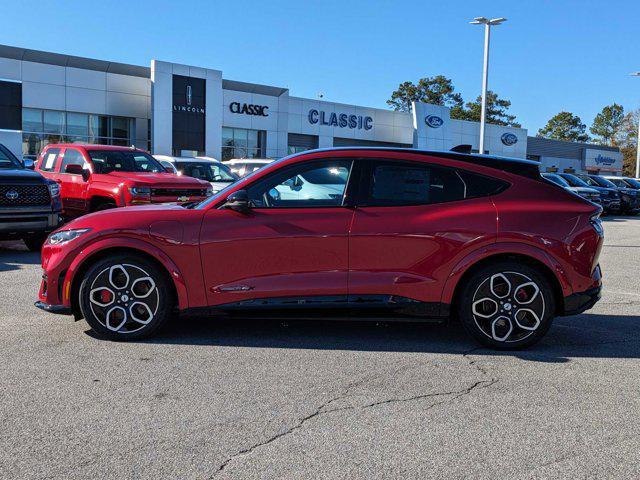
49, 160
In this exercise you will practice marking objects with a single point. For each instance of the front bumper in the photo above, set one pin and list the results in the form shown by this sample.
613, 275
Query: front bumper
59, 309
577, 303
17, 222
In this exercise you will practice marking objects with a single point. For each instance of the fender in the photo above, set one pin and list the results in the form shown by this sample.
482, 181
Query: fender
115, 191
502, 248
134, 244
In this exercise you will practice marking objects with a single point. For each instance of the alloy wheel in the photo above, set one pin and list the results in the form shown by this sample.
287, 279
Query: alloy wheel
124, 298
508, 307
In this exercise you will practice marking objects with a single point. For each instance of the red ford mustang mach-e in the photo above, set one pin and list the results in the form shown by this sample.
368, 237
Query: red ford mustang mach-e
349, 232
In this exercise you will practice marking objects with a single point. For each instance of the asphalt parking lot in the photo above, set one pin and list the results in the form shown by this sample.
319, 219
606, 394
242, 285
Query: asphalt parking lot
321, 400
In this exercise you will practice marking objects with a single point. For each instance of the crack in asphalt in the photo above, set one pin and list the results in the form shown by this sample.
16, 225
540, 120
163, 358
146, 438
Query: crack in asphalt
322, 409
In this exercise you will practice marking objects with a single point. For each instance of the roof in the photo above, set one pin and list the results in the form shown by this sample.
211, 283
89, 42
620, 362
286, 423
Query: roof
93, 146
62, 60
527, 168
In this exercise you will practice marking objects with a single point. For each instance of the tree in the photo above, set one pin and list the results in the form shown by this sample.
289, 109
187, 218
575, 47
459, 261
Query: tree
565, 126
438, 90
607, 123
496, 111
626, 138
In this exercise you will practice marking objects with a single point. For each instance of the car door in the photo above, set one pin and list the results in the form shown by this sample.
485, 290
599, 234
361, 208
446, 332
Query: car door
74, 186
413, 222
282, 253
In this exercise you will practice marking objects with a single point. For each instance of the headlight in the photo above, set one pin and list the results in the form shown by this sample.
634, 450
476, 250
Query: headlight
65, 236
140, 191
54, 189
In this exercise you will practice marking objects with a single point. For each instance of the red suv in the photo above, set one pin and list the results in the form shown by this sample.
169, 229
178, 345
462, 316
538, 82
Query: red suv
361, 232
99, 177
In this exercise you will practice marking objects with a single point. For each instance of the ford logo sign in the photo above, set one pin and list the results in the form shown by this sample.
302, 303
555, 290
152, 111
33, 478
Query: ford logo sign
508, 139
433, 121
12, 195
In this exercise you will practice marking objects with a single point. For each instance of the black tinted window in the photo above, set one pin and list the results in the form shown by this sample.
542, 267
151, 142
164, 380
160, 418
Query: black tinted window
71, 157
402, 183
7, 159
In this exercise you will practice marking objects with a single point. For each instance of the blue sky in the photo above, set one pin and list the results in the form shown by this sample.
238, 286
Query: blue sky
549, 56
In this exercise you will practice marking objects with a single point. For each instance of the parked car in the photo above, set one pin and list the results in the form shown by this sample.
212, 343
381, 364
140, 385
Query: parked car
99, 177
413, 235
208, 169
245, 166
608, 193
29, 204
585, 192
629, 196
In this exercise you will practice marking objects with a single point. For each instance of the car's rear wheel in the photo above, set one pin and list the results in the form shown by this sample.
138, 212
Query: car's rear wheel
125, 297
507, 305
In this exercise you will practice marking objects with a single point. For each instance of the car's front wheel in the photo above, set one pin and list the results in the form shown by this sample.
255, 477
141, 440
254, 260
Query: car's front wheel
125, 297
507, 305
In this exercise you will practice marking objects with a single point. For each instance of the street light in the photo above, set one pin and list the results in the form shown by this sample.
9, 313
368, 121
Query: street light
637, 74
485, 73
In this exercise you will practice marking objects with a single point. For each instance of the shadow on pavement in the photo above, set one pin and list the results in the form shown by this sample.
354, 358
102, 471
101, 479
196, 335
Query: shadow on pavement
14, 254
587, 336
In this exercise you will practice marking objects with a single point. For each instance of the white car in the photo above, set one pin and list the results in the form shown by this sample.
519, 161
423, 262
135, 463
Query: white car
244, 166
208, 169
318, 184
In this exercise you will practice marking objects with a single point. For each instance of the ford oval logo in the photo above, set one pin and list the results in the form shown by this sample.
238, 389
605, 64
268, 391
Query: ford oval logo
433, 121
508, 139
12, 195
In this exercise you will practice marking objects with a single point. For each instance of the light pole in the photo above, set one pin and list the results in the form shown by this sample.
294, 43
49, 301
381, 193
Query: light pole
485, 72
637, 74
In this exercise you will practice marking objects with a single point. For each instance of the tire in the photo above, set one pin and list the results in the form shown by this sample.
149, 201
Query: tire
125, 297
500, 315
34, 243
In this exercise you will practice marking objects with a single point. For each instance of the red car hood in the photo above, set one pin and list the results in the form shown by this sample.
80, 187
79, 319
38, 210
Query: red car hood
160, 179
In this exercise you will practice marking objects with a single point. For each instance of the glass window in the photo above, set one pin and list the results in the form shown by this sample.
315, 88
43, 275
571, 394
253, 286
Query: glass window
53, 122
98, 126
242, 143
32, 120
294, 187
71, 157
7, 159
395, 183
120, 127
78, 124
48, 162
208, 171
31, 145
296, 149
107, 161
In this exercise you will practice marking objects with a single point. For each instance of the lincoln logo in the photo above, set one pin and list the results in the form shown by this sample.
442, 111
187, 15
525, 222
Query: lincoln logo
12, 195
189, 95
433, 121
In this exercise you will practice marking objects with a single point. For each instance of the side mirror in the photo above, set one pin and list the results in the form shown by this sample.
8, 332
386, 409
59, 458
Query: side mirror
238, 201
29, 163
77, 170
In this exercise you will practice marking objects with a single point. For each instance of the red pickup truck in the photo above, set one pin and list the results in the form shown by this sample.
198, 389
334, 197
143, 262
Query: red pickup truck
98, 177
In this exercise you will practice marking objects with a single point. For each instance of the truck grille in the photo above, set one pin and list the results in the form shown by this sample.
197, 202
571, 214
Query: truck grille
178, 192
24, 195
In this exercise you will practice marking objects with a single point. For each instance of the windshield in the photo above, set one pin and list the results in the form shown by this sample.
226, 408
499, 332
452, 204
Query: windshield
589, 181
573, 180
633, 182
8, 159
619, 182
209, 171
603, 182
107, 161
557, 179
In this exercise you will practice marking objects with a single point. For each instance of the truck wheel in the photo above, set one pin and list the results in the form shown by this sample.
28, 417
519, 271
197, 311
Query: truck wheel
125, 297
34, 243
507, 306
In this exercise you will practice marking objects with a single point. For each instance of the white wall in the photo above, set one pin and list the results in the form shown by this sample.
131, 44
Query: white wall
12, 139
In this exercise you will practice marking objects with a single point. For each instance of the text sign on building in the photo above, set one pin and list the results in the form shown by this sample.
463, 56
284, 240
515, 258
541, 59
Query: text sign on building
189, 110
602, 160
341, 120
10, 105
249, 109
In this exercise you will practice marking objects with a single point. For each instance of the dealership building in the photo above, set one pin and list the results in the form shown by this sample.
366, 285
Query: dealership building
174, 109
